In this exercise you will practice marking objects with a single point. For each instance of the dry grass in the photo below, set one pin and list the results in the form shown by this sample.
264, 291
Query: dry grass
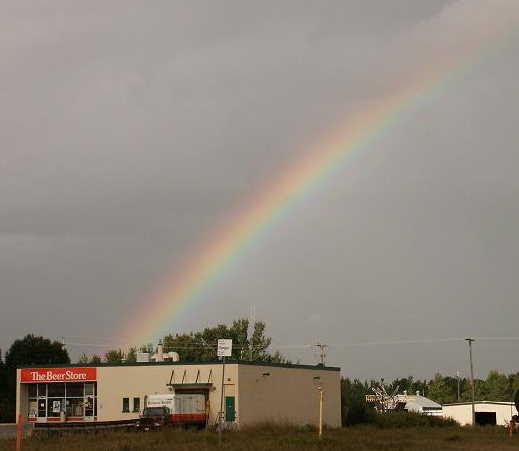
358, 438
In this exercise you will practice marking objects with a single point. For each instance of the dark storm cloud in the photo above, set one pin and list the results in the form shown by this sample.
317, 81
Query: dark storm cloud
129, 129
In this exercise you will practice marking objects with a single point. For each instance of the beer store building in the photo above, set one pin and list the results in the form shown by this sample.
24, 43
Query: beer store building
117, 393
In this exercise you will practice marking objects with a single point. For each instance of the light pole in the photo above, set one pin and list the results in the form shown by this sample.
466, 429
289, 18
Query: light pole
317, 379
470, 341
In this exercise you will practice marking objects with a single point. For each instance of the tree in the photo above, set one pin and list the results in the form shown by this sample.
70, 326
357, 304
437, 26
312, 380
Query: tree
131, 355
4, 404
443, 389
34, 350
95, 359
114, 356
83, 359
201, 346
495, 387
30, 350
516, 400
353, 401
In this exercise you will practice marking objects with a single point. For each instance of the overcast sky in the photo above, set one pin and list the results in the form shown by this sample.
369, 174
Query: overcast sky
130, 129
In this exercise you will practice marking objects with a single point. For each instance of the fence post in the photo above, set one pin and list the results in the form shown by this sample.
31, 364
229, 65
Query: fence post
19, 432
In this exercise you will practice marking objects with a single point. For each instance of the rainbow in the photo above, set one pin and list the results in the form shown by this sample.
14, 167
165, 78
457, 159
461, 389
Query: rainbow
211, 259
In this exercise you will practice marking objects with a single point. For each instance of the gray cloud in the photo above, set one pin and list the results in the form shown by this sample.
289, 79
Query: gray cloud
129, 130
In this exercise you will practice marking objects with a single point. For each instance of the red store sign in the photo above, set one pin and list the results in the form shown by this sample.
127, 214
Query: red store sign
46, 375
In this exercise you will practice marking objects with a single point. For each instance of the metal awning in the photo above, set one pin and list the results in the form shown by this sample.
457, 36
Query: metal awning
199, 385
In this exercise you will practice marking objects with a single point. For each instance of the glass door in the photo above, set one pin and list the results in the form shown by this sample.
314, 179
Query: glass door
89, 401
42, 403
42, 410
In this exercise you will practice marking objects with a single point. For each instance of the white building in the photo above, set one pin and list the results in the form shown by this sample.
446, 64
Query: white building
487, 412
420, 404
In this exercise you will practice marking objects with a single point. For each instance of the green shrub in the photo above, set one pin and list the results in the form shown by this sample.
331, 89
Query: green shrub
402, 419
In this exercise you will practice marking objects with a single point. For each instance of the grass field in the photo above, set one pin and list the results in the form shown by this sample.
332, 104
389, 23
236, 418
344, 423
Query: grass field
357, 438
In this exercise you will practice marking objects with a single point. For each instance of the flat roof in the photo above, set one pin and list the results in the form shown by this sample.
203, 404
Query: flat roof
468, 403
215, 362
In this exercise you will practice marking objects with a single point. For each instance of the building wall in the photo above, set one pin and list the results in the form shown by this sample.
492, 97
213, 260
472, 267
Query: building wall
462, 413
287, 395
118, 382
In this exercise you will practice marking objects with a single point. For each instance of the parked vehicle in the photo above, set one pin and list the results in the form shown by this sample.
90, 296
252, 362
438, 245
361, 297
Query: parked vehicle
184, 408
154, 418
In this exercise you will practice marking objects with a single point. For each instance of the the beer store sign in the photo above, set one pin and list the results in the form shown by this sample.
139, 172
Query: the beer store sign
46, 375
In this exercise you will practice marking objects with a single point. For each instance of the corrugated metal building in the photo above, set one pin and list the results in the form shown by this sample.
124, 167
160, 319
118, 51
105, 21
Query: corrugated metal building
487, 412
252, 392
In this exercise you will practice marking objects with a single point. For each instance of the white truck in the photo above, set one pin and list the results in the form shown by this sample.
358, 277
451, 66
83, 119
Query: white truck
184, 408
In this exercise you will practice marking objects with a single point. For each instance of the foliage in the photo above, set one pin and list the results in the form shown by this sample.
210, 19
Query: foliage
95, 359
201, 346
402, 419
442, 389
31, 350
354, 407
114, 356
34, 350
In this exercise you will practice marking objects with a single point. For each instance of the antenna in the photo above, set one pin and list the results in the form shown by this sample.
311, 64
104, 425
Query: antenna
252, 321
322, 352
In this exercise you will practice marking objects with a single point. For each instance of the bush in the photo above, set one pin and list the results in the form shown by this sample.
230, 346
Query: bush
402, 419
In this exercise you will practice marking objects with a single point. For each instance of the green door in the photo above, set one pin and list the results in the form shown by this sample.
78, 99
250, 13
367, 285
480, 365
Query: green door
230, 409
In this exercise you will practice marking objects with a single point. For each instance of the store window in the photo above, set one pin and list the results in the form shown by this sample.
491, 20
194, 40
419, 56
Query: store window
126, 404
75, 399
136, 404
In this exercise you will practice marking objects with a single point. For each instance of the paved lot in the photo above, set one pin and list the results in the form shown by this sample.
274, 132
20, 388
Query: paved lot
9, 430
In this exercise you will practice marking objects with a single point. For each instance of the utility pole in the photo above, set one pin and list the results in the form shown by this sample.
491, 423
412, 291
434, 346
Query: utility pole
220, 423
322, 352
470, 341
252, 321
458, 378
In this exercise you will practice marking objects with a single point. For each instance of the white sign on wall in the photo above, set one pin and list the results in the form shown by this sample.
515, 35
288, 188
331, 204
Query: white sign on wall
224, 348
56, 406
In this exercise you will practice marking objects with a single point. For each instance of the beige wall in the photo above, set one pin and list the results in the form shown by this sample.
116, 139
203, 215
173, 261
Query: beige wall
462, 413
117, 382
287, 395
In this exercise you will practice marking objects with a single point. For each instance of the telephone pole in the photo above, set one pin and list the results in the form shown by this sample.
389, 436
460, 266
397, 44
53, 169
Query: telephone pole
470, 341
458, 378
322, 352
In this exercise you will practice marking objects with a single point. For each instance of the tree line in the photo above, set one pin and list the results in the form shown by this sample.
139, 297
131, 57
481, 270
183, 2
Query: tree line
442, 389
249, 343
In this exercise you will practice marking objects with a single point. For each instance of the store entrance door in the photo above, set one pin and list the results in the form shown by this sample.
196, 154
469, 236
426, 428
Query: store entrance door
42, 410
89, 402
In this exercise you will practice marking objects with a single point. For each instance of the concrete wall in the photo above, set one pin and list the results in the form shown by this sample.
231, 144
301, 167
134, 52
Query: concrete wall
118, 382
287, 395
462, 413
